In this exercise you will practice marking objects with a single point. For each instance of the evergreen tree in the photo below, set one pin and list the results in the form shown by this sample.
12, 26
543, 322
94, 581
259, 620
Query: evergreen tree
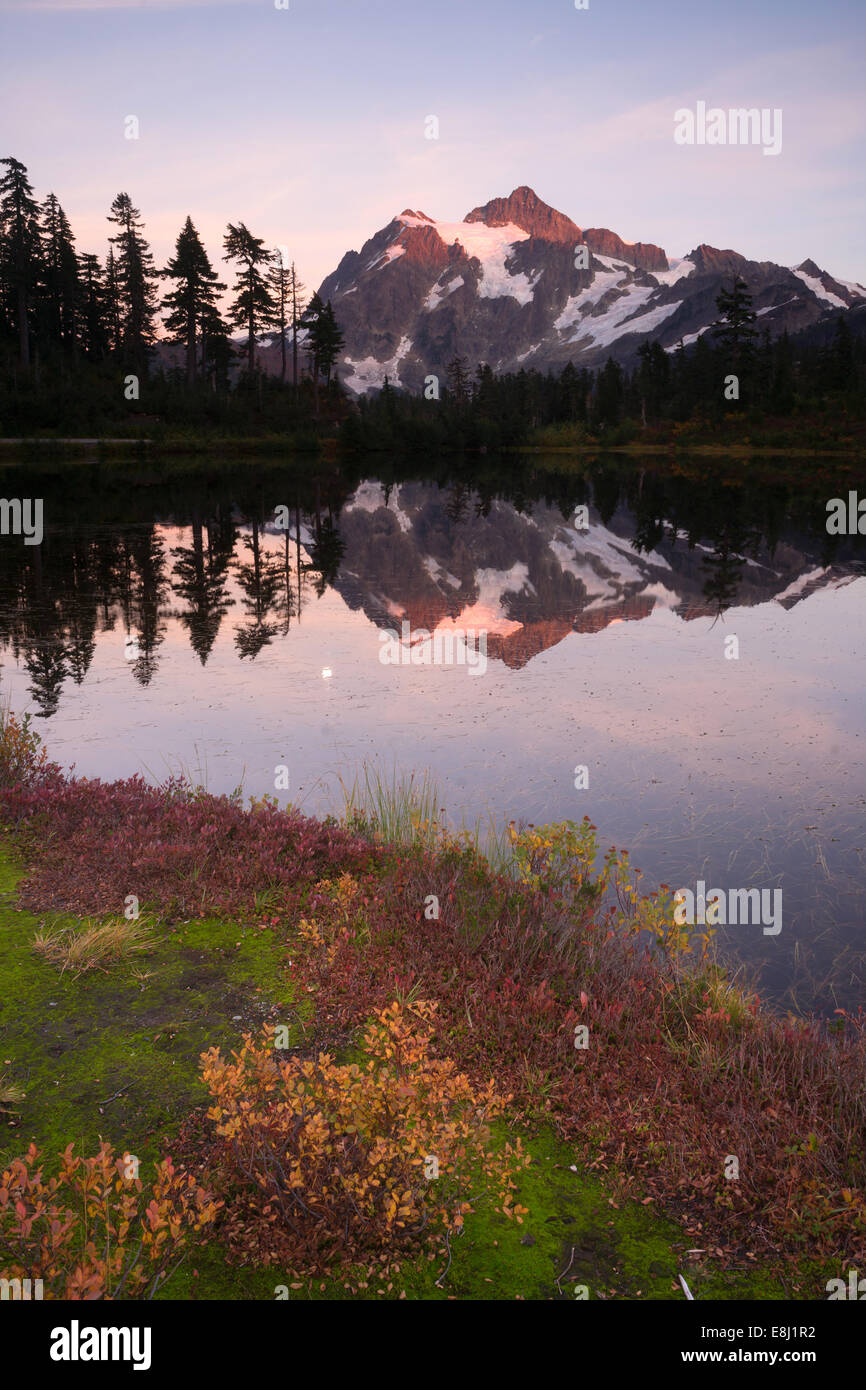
458, 379
113, 308
20, 250
297, 291
59, 275
735, 329
654, 378
216, 349
841, 365
193, 303
136, 279
610, 393
310, 322
279, 278
330, 341
784, 385
569, 393
92, 326
253, 307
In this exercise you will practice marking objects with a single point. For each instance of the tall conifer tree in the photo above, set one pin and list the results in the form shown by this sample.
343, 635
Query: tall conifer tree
193, 303
136, 279
59, 274
20, 249
253, 306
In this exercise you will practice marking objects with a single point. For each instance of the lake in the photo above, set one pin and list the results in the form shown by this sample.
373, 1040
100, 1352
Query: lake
674, 649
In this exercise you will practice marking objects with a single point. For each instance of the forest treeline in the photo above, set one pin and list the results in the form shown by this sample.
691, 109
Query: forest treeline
737, 382
83, 351
81, 338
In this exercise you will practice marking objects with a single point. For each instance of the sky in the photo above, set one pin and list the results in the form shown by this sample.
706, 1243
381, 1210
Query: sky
309, 123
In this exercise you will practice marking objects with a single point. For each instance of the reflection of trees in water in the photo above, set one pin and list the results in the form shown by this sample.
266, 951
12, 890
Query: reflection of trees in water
149, 588
200, 577
326, 553
260, 580
107, 569
103, 568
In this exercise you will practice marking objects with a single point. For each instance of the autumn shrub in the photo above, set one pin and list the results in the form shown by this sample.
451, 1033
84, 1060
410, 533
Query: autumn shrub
187, 852
328, 1162
23, 759
93, 1231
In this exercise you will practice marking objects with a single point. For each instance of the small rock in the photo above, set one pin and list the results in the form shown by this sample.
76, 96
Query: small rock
528, 1239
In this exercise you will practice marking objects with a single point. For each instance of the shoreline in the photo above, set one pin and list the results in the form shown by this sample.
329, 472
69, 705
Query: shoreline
614, 1059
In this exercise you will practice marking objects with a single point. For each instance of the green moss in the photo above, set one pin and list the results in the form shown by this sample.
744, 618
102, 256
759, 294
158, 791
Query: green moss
115, 1054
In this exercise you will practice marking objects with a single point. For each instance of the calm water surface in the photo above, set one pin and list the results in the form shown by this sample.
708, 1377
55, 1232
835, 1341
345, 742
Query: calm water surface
189, 624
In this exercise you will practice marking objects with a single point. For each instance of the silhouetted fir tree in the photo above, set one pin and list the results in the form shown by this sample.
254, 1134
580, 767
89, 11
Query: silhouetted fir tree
217, 351
609, 397
136, 285
91, 314
388, 400
20, 250
735, 329
706, 389
783, 384
653, 379
330, 341
299, 303
458, 380
310, 322
279, 278
840, 361
192, 304
113, 306
253, 305
485, 389
570, 408
59, 280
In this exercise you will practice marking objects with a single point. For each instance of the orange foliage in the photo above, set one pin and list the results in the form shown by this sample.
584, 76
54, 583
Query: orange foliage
344, 1160
92, 1232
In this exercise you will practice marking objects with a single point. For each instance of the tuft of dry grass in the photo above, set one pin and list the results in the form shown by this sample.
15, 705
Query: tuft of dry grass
10, 1094
95, 946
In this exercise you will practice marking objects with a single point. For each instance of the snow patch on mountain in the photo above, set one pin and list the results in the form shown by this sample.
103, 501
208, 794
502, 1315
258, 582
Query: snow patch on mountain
577, 304
814, 284
852, 286
491, 246
438, 293
617, 320
370, 372
680, 267
689, 338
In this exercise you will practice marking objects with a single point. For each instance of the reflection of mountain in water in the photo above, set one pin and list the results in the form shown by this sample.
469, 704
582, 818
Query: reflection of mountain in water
495, 551
529, 579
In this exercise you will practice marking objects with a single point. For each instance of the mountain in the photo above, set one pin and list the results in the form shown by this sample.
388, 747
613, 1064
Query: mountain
501, 287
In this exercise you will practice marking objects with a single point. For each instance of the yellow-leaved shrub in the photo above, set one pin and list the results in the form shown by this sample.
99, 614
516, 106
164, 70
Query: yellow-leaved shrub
339, 1161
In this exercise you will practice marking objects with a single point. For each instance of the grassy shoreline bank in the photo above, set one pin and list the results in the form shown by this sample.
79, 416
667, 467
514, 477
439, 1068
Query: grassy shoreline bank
258, 917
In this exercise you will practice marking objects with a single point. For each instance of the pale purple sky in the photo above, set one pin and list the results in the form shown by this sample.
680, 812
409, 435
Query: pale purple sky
309, 123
